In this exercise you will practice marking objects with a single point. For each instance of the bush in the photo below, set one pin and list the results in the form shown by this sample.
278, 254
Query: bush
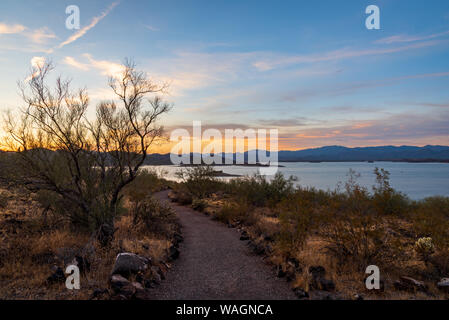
3, 200
386, 200
258, 191
199, 181
199, 204
297, 219
151, 215
430, 218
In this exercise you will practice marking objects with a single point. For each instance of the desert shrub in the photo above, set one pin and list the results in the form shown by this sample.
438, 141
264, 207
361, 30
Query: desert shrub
355, 232
233, 211
199, 204
146, 182
430, 218
258, 191
297, 219
424, 248
151, 215
3, 200
199, 181
385, 199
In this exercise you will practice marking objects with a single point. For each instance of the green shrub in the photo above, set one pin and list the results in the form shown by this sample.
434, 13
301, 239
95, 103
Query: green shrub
151, 215
199, 181
386, 200
199, 204
258, 191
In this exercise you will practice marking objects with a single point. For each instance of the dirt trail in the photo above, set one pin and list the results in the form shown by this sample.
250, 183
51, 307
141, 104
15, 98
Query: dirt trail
215, 264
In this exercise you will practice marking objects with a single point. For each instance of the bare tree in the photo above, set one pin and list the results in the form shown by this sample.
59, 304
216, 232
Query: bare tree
83, 164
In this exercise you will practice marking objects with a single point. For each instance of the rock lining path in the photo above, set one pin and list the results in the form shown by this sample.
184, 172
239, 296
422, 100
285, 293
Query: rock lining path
215, 264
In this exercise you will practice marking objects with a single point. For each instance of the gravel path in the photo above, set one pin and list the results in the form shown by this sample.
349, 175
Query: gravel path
215, 264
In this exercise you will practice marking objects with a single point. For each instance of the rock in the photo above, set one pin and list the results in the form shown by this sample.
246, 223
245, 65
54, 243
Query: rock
129, 263
443, 285
258, 249
173, 253
280, 272
123, 288
178, 238
300, 293
137, 285
57, 275
142, 294
410, 284
157, 279
293, 261
118, 282
99, 294
267, 238
326, 284
244, 238
318, 279
317, 271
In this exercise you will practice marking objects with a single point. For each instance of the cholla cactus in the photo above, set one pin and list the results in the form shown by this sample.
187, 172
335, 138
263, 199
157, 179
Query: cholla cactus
424, 247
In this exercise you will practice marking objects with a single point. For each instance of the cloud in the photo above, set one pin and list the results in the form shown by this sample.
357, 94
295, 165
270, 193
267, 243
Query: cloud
282, 61
78, 65
40, 35
92, 24
398, 129
107, 68
151, 28
408, 38
11, 29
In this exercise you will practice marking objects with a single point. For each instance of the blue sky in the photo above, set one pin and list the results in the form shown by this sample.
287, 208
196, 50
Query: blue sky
310, 69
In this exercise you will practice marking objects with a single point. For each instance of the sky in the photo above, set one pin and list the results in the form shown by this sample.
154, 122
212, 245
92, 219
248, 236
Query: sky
310, 69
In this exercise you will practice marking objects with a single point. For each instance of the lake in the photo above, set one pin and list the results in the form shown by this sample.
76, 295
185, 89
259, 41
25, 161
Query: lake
417, 180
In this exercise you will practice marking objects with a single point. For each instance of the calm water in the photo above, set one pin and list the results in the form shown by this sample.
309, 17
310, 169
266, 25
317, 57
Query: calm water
417, 180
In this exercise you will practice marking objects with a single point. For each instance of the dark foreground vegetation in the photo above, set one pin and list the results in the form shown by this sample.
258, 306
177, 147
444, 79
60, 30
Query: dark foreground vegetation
72, 191
323, 241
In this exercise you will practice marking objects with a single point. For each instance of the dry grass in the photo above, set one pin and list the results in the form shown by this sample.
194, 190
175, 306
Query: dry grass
29, 248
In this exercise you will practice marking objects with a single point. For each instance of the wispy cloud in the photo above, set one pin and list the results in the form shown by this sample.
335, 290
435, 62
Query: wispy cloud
76, 64
411, 38
282, 61
105, 67
11, 29
91, 25
40, 35
151, 28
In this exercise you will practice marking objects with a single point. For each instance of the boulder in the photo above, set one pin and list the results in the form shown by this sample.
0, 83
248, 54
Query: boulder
443, 285
122, 287
410, 284
129, 263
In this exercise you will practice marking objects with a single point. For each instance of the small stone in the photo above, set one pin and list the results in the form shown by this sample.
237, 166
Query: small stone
443, 285
410, 284
301, 293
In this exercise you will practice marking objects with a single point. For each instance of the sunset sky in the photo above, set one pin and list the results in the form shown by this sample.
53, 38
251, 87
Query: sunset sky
308, 68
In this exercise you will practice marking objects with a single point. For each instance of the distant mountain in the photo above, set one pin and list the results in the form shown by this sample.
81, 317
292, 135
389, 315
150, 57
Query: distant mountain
338, 154
385, 153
